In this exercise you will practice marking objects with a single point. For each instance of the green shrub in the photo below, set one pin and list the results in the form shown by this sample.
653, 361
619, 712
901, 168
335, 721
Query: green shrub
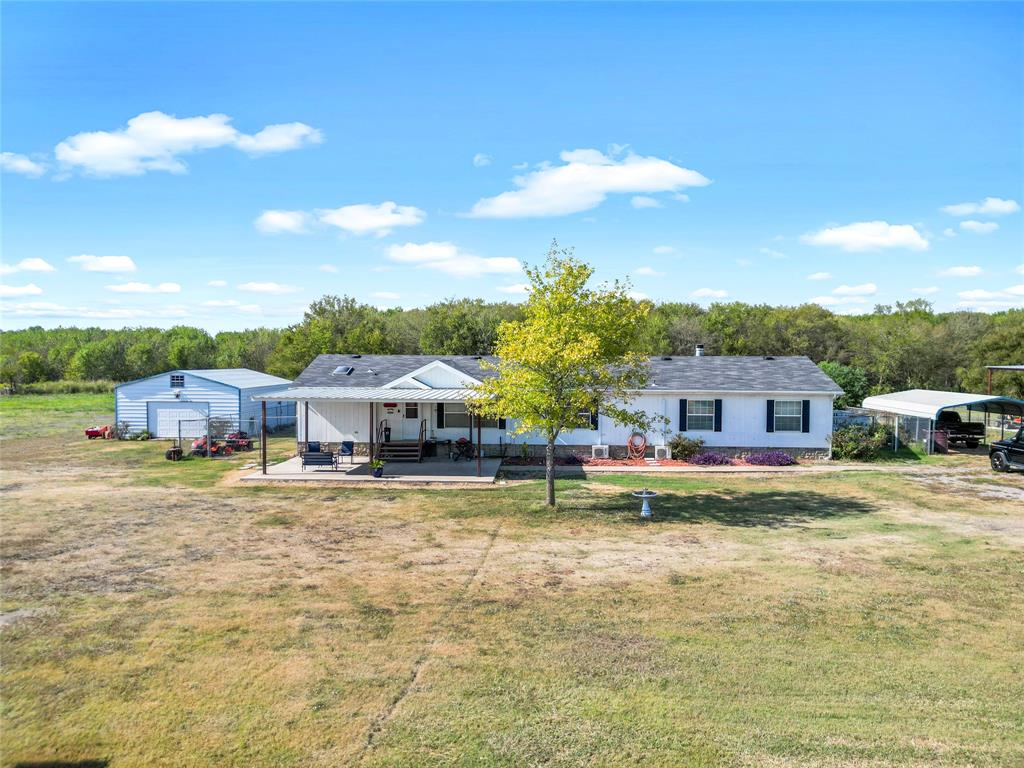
100, 387
855, 442
685, 448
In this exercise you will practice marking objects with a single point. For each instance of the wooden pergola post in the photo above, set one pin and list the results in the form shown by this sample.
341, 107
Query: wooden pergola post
479, 445
263, 435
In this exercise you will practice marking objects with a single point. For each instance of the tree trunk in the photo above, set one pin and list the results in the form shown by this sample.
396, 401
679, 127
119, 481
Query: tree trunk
549, 470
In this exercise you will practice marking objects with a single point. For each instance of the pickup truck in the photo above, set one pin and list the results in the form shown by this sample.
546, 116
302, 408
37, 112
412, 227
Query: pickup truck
970, 433
1007, 455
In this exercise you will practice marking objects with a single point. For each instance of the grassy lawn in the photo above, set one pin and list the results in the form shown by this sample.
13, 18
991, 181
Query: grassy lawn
162, 614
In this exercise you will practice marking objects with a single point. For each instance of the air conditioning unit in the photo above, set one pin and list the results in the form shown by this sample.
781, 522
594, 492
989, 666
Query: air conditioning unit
662, 452
599, 451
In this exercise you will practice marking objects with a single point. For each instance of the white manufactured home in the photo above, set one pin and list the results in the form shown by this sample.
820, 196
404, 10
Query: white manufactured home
184, 399
735, 404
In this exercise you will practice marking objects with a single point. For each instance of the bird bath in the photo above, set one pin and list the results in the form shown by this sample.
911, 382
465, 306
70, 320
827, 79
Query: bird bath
646, 495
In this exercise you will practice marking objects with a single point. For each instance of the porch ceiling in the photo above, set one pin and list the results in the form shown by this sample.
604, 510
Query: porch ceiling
368, 394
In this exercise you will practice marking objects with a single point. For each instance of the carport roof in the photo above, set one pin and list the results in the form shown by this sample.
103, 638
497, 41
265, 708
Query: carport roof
928, 403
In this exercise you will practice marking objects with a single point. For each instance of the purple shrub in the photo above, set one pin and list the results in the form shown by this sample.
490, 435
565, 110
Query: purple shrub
771, 459
710, 459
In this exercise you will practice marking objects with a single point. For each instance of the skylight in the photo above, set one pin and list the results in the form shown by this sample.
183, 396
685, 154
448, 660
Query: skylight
343, 370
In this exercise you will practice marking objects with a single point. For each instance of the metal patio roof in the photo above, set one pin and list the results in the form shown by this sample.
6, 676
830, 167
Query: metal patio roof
928, 403
367, 394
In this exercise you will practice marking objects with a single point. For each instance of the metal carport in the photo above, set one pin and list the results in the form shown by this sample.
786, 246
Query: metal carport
919, 408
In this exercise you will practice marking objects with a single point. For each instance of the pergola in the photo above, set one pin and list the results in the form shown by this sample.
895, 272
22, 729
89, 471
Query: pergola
990, 368
926, 405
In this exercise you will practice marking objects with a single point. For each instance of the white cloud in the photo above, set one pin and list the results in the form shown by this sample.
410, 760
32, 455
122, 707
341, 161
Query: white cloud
643, 201
960, 272
1020, 270
92, 263
516, 289
820, 276
31, 264
144, 288
367, 218
48, 309
328, 268
386, 295
272, 222
979, 227
647, 272
932, 289
20, 290
990, 206
23, 164
277, 288
480, 160
638, 296
866, 289
773, 253
1015, 290
154, 141
283, 137
681, 197
869, 236
233, 303
979, 293
744, 262
837, 301
663, 250
218, 283
709, 293
584, 181
449, 258
949, 232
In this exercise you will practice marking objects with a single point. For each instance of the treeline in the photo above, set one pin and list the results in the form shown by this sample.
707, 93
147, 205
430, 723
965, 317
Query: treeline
904, 346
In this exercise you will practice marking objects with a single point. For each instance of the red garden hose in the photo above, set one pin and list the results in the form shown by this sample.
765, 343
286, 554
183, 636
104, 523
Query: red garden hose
637, 445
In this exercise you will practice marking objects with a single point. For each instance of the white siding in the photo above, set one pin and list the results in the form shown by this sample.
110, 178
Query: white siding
131, 400
743, 423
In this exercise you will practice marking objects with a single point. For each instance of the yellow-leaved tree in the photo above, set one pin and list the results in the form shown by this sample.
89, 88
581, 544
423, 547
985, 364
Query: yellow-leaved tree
569, 357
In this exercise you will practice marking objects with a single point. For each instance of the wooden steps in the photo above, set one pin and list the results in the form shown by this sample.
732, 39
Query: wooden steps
400, 450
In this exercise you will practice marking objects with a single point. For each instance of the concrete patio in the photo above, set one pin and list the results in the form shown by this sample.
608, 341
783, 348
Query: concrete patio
439, 470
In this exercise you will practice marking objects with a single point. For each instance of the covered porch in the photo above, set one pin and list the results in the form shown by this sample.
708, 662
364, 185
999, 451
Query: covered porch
400, 426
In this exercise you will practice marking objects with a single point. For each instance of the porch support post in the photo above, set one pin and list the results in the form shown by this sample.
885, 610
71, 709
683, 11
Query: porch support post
370, 438
305, 424
989, 377
479, 443
263, 435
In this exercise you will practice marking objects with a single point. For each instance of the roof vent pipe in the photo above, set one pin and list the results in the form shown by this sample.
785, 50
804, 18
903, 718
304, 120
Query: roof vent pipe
698, 351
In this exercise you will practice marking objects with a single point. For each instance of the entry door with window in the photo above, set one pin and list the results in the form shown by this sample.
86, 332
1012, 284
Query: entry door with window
408, 422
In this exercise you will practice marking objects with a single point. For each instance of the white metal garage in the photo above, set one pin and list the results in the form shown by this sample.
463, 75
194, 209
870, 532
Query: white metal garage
160, 403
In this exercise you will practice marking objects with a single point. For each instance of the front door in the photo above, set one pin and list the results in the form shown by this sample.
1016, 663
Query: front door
407, 422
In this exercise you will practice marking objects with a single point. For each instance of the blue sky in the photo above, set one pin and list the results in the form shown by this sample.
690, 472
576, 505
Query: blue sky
223, 165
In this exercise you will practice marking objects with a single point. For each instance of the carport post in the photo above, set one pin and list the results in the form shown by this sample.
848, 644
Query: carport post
263, 435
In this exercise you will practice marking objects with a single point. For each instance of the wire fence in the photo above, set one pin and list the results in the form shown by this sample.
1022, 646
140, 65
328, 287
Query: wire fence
217, 436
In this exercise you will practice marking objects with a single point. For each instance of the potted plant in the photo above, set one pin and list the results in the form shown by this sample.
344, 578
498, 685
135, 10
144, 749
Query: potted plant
377, 467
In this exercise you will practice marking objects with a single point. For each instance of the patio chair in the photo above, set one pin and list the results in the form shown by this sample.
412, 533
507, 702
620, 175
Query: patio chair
347, 448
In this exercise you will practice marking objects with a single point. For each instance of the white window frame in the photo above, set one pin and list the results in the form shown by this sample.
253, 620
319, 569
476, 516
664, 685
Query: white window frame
415, 408
177, 377
799, 416
690, 415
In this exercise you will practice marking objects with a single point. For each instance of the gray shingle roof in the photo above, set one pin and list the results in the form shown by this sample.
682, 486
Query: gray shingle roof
711, 373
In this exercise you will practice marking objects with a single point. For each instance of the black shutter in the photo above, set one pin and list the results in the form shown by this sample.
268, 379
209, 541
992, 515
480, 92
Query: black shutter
718, 415
682, 415
440, 415
501, 423
593, 419
770, 425
806, 420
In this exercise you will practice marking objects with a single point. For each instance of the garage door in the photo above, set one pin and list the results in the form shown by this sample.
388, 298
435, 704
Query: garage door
164, 419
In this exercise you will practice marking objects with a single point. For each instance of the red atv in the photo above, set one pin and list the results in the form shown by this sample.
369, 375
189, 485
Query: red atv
217, 449
239, 441
94, 433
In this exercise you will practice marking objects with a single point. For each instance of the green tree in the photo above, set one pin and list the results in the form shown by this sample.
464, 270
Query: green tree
190, 348
458, 327
854, 382
571, 355
33, 367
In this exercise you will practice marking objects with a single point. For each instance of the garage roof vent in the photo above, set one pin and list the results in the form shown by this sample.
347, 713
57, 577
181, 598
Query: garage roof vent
343, 370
